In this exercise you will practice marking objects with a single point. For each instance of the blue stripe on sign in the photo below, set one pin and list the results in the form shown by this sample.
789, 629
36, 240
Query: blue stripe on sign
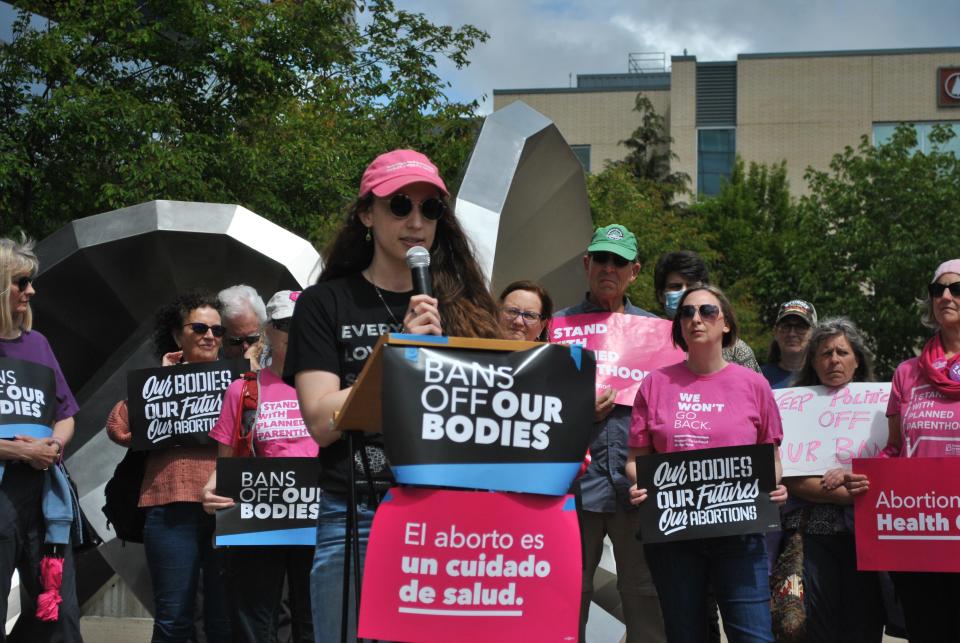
299, 536
549, 478
576, 352
426, 339
32, 430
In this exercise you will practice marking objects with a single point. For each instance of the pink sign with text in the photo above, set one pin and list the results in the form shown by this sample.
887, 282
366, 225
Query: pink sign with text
627, 347
909, 518
472, 566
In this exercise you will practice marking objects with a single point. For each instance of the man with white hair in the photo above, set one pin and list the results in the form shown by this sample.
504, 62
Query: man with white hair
243, 315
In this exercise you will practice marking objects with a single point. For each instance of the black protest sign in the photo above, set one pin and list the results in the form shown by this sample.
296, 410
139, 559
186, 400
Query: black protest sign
277, 501
175, 406
707, 493
28, 398
505, 421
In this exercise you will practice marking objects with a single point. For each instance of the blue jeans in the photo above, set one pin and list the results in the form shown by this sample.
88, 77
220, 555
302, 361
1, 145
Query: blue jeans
178, 540
326, 577
734, 567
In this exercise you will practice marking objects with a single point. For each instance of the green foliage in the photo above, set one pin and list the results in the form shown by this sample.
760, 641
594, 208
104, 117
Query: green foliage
872, 231
752, 223
277, 106
650, 154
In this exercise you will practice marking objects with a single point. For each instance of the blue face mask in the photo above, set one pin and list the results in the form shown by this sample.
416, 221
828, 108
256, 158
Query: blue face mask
670, 300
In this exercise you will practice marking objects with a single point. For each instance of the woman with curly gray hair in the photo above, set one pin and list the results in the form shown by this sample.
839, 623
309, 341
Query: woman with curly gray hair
841, 603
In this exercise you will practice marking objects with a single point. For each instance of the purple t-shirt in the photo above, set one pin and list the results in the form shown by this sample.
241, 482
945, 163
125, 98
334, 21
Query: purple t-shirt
31, 346
678, 410
929, 420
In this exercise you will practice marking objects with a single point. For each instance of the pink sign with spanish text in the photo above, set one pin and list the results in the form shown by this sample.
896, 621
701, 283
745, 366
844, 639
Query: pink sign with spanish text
627, 347
472, 566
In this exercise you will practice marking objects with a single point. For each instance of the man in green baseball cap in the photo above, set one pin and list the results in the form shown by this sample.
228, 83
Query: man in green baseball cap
612, 264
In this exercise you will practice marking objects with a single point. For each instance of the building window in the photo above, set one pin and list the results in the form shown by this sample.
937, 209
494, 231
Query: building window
716, 154
582, 153
883, 132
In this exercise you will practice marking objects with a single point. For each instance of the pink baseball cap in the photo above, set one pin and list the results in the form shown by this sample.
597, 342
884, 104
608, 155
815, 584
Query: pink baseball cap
393, 170
947, 266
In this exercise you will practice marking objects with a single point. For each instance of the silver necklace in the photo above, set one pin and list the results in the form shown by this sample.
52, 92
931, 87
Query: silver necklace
383, 301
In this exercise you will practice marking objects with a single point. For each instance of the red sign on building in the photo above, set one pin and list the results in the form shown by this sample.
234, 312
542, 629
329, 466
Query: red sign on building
948, 87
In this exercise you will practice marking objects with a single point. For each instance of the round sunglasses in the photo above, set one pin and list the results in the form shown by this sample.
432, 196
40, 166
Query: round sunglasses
201, 329
22, 282
250, 340
401, 206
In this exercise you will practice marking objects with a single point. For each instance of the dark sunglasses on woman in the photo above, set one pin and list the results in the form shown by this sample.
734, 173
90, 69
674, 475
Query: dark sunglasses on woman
282, 325
708, 312
201, 329
936, 289
22, 282
237, 341
401, 206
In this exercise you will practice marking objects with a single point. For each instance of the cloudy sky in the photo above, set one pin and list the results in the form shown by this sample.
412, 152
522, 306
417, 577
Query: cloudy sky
539, 43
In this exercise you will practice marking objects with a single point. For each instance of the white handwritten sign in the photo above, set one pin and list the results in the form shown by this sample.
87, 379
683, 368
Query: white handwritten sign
825, 428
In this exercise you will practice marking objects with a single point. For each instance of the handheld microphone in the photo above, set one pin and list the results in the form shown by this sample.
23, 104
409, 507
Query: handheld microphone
418, 258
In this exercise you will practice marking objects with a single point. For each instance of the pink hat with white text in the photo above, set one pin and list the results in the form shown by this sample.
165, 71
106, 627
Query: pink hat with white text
394, 170
947, 266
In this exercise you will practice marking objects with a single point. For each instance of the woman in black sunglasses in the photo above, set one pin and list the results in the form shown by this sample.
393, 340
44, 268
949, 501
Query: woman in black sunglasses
177, 533
924, 403
38, 407
366, 291
704, 403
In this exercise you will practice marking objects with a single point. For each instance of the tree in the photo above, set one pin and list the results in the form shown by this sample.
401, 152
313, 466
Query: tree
872, 231
277, 106
650, 153
751, 223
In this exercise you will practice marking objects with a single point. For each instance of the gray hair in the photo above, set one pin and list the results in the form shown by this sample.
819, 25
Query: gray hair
15, 257
237, 299
822, 332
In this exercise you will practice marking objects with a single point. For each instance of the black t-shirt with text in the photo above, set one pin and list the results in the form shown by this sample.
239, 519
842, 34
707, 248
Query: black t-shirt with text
335, 326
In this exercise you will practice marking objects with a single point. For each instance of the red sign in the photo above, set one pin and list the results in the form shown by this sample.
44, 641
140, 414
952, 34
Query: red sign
627, 347
948, 87
472, 566
909, 520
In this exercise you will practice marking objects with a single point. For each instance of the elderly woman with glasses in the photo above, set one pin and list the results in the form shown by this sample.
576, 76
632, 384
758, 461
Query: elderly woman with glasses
525, 309
177, 533
929, 383
743, 412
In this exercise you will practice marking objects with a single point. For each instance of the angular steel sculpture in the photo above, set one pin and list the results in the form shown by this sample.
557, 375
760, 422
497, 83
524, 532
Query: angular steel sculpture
101, 280
523, 203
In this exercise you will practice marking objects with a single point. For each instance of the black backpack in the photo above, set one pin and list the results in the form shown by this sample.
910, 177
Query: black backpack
122, 494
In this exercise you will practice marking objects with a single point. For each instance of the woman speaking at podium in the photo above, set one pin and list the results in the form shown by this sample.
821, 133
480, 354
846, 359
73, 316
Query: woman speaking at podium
364, 291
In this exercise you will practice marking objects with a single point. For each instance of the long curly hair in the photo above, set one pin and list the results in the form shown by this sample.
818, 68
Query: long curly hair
467, 309
169, 318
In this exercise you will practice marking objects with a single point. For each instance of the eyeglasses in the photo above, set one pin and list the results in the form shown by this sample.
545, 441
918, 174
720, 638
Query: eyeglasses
281, 324
529, 317
936, 289
22, 282
401, 205
708, 312
237, 341
603, 258
201, 329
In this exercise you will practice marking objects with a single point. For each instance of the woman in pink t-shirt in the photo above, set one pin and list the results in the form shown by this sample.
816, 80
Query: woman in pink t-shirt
922, 415
254, 575
733, 406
